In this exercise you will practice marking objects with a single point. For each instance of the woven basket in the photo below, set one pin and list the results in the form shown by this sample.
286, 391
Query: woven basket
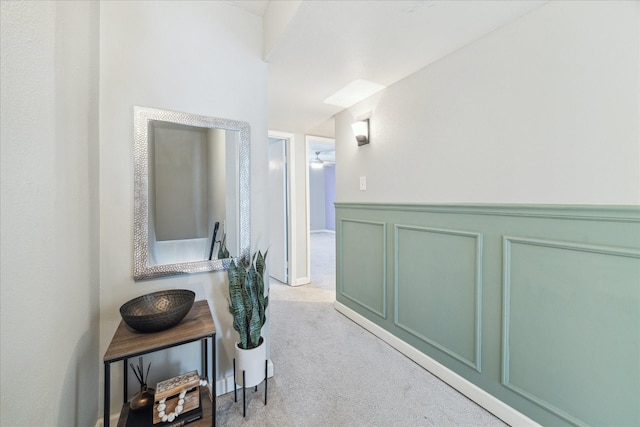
158, 310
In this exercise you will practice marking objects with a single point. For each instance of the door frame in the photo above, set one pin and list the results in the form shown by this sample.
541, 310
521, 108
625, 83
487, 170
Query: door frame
289, 140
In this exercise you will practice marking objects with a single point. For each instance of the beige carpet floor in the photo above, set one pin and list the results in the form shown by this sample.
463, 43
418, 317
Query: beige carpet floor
331, 372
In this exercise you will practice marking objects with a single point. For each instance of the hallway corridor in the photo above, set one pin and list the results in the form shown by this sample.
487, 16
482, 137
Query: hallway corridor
328, 371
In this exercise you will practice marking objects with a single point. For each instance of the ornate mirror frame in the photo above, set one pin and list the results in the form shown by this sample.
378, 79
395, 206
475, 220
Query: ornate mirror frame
141, 268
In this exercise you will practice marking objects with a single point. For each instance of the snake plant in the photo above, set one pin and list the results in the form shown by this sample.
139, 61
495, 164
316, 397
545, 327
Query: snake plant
247, 301
223, 252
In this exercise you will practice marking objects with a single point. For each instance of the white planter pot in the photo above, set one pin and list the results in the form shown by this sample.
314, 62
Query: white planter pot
252, 362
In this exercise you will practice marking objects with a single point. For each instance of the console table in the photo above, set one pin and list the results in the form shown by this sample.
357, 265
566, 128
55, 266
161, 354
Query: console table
126, 343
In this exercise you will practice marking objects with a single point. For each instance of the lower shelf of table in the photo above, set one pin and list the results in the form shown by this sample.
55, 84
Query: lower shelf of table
205, 401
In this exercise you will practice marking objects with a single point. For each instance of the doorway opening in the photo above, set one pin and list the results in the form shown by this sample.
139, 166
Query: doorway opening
321, 169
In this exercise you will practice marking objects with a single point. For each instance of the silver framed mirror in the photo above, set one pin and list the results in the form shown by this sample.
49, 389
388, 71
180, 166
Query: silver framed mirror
191, 192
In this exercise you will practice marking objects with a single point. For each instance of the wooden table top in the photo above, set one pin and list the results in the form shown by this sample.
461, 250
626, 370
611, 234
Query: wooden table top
126, 342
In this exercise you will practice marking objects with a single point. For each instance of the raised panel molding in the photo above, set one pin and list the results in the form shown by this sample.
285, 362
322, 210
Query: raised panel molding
603, 279
554, 330
371, 239
408, 256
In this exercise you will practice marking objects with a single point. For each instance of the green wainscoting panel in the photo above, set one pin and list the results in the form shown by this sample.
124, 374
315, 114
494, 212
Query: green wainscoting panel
362, 247
567, 308
438, 289
538, 305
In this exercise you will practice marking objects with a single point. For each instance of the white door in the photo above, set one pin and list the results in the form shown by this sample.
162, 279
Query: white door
278, 258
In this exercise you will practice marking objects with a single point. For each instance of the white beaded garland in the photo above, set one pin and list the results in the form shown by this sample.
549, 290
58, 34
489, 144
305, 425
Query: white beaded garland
164, 416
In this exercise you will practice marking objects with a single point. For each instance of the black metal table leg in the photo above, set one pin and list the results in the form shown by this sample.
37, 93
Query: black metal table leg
125, 391
244, 400
266, 371
107, 398
213, 379
204, 358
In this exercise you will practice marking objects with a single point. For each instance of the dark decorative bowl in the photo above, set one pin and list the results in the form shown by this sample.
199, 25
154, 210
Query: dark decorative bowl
158, 310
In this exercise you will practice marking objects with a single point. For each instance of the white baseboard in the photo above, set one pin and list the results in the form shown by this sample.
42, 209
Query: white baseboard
497, 407
223, 386
302, 281
322, 231
113, 420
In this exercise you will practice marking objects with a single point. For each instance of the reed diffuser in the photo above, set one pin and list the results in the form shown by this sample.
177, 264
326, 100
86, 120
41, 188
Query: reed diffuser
144, 398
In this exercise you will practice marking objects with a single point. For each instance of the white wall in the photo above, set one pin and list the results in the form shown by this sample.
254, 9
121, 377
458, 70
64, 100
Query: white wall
316, 199
49, 221
544, 110
194, 57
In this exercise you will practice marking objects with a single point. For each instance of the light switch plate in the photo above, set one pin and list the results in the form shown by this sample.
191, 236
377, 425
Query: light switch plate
363, 183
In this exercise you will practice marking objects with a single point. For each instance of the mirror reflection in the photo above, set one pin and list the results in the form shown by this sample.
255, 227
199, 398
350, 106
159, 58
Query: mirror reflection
189, 201
191, 192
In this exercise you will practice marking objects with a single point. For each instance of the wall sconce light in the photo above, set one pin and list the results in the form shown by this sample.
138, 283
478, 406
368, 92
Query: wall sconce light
361, 131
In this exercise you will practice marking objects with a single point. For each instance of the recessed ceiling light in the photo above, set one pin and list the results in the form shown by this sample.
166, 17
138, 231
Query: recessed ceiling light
353, 93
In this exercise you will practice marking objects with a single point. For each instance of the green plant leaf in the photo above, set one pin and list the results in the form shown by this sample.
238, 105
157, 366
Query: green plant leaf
223, 252
248, 302
237, 307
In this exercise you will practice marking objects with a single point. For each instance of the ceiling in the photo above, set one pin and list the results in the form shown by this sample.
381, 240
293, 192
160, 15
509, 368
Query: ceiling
257, 7
328, 44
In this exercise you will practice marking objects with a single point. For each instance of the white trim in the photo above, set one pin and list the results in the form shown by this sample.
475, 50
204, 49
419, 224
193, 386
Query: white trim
303, 281
290, 140
113, 420
321, 139
223, 386
307, 205
497, 407
323, 231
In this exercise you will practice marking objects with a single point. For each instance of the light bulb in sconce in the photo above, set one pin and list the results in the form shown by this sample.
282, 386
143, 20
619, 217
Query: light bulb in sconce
361, 131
